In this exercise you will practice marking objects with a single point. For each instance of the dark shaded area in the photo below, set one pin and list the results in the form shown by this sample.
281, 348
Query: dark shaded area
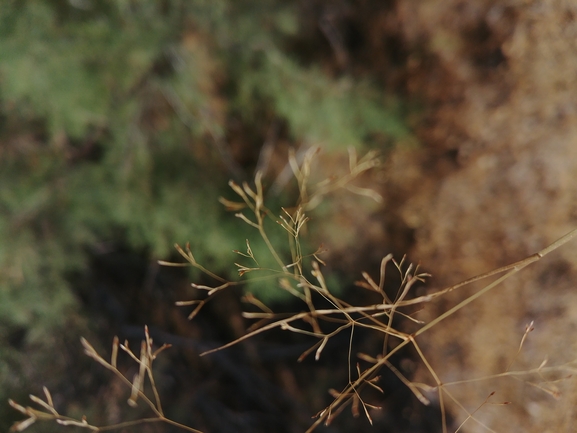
257, 386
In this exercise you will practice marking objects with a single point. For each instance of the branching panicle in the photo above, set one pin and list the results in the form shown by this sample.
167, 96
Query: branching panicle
301, 276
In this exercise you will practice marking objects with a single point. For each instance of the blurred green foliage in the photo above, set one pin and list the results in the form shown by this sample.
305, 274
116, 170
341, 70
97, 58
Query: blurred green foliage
114, 125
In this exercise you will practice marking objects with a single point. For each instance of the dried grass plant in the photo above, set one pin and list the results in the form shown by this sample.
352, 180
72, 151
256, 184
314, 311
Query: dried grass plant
145, 359
300, 275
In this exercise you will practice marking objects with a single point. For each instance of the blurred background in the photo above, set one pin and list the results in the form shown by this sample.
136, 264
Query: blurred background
121, 123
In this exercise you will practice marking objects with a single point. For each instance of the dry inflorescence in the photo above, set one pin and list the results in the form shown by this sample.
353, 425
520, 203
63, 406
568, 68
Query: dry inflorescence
326, 314
144, 361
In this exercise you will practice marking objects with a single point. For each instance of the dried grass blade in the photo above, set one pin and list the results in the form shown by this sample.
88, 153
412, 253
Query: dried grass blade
91, 352
42, 403
209, 288
148, 347
196, 310
134, 392
320, 349
251, 299
246, 220
48, 396
186, 254
355, 406
161, 349
231, 205
82, 423
308, 351
236, 188
366, 192
126, 349
114, 356
371, 283
18, 407
529, 328
258, 331
375, 386
367, 358
367, 411
172, 264
144, 361
187, 303
252, 194
23, 425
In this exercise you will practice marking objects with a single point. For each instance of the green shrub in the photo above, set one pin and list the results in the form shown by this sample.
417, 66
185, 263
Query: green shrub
116, 126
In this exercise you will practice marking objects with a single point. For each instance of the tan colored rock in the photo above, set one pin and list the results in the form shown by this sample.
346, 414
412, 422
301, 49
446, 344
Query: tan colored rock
497, 182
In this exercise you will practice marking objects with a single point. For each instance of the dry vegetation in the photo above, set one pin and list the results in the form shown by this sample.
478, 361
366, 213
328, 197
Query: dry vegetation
494, 182
325, 315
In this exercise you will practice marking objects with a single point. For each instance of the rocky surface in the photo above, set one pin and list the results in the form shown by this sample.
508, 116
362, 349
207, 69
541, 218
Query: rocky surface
494, 183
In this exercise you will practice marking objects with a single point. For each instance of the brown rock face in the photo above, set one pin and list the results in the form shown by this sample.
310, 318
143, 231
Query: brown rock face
497, 181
